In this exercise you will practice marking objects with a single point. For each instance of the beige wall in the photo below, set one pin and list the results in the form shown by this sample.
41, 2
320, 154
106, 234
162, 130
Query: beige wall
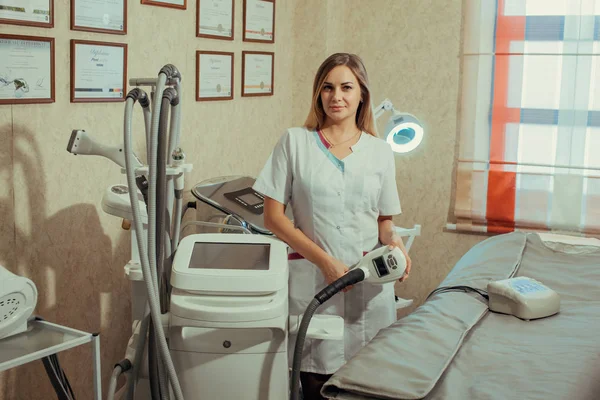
53, 229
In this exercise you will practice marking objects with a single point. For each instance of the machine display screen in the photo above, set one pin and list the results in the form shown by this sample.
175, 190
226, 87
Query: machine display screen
236, 256
380, 266
251, 199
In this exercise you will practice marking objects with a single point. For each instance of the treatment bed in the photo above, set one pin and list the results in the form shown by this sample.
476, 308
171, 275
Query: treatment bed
452, 347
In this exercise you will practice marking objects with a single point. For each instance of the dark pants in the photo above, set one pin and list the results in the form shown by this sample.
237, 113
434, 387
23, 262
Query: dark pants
312, 384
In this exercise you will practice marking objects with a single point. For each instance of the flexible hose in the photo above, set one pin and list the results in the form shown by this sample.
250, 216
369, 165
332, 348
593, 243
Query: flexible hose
139, 352
161, 189
177, 220
298, 349
112, 386
352, 277
147, 265
148, 129
154, 306
153, 372
130, 174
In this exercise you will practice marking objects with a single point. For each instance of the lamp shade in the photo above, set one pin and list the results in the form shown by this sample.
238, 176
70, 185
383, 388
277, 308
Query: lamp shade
403, 132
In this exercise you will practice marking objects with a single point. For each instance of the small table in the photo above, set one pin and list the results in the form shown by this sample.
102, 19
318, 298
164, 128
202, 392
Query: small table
42, 339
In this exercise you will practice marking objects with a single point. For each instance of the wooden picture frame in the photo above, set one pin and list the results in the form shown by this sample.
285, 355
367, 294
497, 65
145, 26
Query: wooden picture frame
165, 4
257, 36
49, 24
21, 84
97, 58
121, 31
215, 36
199, 54
258, 87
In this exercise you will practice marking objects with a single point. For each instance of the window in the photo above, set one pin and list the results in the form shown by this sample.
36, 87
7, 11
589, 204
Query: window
529, 152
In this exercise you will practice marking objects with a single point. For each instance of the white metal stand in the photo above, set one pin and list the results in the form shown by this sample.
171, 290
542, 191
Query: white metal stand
42, 339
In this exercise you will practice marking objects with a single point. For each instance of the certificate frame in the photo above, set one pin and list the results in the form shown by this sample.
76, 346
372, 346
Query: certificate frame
165, 4
199, 54
83, 28
209, 36
74, 99
40, 100
272, 83
245, 38
49, 24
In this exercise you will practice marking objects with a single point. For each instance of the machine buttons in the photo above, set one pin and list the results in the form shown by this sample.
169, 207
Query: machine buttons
227, 344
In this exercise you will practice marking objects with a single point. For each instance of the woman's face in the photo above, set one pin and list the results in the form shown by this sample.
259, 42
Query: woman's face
340, 95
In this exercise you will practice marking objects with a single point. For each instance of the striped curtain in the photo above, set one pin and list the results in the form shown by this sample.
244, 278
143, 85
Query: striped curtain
529, 155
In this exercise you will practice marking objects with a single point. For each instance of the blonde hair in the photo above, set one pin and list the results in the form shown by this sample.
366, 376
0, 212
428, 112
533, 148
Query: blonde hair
364, 113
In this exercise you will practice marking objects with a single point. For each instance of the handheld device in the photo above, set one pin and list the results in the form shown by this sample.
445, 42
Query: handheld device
82, 143
523, 297
379, 266
382, 265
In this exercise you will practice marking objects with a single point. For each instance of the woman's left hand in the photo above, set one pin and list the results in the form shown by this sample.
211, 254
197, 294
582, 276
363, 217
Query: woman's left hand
397, 242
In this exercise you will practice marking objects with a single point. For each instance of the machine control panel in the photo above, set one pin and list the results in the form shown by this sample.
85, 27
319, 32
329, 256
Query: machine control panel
250, 199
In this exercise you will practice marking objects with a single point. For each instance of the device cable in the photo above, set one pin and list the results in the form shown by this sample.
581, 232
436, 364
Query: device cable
168, 71
146, 257
462, 288
350, 278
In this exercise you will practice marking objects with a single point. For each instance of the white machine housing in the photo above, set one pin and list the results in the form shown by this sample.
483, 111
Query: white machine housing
18, 298
229, 317
523, 297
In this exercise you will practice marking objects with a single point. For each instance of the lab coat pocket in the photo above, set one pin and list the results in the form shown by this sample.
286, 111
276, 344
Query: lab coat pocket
301, 285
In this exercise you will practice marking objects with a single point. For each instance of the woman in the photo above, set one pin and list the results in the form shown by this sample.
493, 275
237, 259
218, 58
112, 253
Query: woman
340, 179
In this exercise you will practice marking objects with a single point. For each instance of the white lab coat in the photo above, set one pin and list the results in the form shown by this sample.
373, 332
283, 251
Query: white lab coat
336, 204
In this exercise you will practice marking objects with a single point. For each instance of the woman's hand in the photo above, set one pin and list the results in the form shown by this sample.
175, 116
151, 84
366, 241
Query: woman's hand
397, 242
333, 270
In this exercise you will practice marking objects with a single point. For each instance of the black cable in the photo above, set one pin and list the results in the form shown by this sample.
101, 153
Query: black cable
463, 288
57, 375
57, 384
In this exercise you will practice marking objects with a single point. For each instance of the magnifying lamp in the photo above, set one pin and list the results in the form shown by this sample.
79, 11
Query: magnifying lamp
403, 131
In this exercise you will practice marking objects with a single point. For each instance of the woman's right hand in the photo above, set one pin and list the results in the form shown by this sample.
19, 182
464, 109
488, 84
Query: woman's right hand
333, 270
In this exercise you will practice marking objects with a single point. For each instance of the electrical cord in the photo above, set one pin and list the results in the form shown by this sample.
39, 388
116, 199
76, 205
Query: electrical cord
57, 376
462, 288
352, 277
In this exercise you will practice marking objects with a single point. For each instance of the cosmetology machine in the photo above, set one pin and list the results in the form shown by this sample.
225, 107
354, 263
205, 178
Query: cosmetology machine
210, 310
18, 298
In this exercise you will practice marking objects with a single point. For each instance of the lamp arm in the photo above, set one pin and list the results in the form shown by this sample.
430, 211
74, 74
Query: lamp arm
386, 105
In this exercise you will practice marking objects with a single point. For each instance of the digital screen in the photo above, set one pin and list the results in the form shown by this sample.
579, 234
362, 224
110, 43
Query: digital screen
380, 266
236, 256
251, 199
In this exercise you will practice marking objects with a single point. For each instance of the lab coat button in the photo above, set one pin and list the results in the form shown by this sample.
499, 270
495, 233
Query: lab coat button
339, 193
338, 227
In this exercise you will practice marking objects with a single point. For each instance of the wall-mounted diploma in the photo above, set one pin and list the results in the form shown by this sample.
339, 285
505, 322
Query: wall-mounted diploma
215, 19
259, 21
106, 16
98, 71
27, 12
257, 73
26, 69
181, 4
214, 75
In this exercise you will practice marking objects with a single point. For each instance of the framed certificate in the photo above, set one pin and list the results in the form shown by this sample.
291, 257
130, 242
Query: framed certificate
215, 19
257, 73
27, 12
214, 75
98, 71
259, 21
104, 16
26, 69
181, 4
